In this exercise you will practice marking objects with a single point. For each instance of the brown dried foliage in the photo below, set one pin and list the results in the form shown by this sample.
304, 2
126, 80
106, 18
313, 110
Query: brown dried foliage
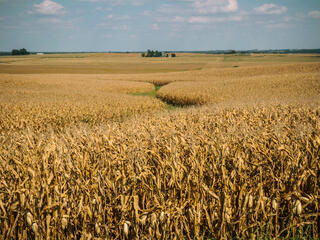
57, 101
69, 169
284, 83
200, 173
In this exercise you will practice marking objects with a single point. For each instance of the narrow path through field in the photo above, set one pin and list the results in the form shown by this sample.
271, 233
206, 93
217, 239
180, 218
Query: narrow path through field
169, 106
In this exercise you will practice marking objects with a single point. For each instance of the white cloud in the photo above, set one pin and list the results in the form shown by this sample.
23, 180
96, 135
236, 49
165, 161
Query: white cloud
314, 14
273, 24
50, 20
270, 8
48, 7
103, 9
204, 20
119, 2
197, 12
172, 9
155, 26
236, 18
232, 6
199, 19
277, 25
110, 26
178, 19
118, 17
213, 6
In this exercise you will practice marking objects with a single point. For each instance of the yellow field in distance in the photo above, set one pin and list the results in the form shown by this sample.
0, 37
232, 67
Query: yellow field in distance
117, 63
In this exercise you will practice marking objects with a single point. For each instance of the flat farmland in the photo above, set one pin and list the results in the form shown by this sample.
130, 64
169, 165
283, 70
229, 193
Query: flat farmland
95, 63
116, 146
99, 63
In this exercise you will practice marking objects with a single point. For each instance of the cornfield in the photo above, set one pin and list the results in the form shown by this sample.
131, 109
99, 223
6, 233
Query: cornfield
81, 158
215, 72
274, 87
56, 101
205, 173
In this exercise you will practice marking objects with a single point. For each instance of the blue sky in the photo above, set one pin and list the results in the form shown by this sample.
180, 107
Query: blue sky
136, 25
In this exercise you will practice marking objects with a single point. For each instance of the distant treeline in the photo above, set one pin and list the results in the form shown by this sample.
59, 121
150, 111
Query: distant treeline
22, 51
5, 53
270, 51
151, 53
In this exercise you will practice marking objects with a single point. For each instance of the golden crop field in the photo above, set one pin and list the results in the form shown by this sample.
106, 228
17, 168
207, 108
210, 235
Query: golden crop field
277, 84
37, 101
91, 149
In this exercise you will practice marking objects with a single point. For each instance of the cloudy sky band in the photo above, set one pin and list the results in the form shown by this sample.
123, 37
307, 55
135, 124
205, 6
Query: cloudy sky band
110, 25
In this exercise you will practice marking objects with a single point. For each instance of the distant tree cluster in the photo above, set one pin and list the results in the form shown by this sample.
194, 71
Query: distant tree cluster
22, 51
151, 53
230, 52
